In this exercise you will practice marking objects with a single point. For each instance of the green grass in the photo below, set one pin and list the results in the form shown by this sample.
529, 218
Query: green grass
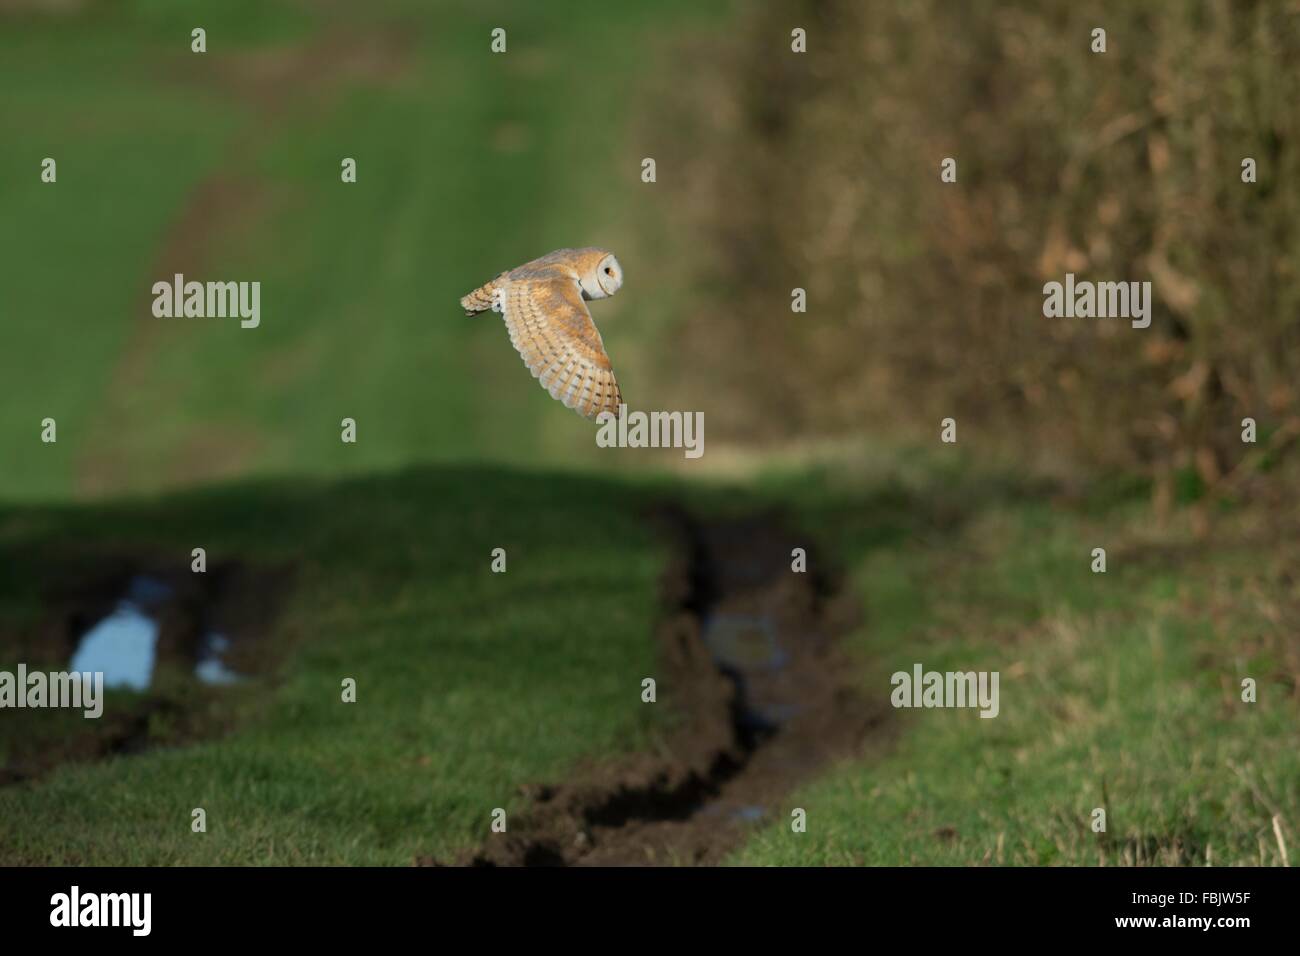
1118, 690
469, 683
226, 165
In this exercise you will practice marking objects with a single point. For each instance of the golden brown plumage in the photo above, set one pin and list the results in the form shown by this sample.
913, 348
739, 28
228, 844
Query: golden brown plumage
543, 304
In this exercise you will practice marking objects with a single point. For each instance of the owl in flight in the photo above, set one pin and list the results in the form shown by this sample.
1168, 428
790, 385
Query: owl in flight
543, 303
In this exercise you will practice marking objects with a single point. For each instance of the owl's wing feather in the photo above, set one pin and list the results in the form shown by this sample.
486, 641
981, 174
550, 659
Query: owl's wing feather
552, 330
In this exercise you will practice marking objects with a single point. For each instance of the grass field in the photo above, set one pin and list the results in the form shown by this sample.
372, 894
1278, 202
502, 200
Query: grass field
469, 683
227, 165
1119, 690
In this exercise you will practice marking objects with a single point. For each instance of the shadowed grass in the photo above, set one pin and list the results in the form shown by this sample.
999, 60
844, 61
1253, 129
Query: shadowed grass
469, 683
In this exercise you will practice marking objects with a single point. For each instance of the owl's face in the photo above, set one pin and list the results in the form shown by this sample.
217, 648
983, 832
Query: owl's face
603, 280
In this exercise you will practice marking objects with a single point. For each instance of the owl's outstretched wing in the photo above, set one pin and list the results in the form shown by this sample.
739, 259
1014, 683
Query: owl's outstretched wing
552, 330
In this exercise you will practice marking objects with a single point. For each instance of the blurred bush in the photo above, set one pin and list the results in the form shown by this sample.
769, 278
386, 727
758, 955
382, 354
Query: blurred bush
925, 299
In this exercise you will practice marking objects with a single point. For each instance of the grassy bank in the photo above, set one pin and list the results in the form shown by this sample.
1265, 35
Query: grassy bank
1119, 691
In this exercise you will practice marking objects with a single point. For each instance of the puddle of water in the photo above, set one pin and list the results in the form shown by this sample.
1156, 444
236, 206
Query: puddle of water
124, 645
147, 591
744, 641
747, 647
211, 669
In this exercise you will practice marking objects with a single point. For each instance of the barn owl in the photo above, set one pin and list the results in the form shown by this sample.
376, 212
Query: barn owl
543, 305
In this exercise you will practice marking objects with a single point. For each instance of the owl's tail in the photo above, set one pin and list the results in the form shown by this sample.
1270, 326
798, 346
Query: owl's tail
481, 299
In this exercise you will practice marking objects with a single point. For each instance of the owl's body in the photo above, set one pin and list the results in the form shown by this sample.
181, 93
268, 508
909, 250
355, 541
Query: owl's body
544, 306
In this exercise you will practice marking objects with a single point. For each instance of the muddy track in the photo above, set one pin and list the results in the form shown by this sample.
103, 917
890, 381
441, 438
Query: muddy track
241, 601
768, 700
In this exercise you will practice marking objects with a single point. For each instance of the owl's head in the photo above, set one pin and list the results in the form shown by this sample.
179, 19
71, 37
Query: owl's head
603, 279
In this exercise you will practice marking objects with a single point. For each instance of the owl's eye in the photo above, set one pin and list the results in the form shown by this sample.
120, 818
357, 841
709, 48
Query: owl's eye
609, 271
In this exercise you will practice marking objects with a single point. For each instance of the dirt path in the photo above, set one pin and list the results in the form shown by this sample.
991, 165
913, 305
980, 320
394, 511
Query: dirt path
749, 662
751, 659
